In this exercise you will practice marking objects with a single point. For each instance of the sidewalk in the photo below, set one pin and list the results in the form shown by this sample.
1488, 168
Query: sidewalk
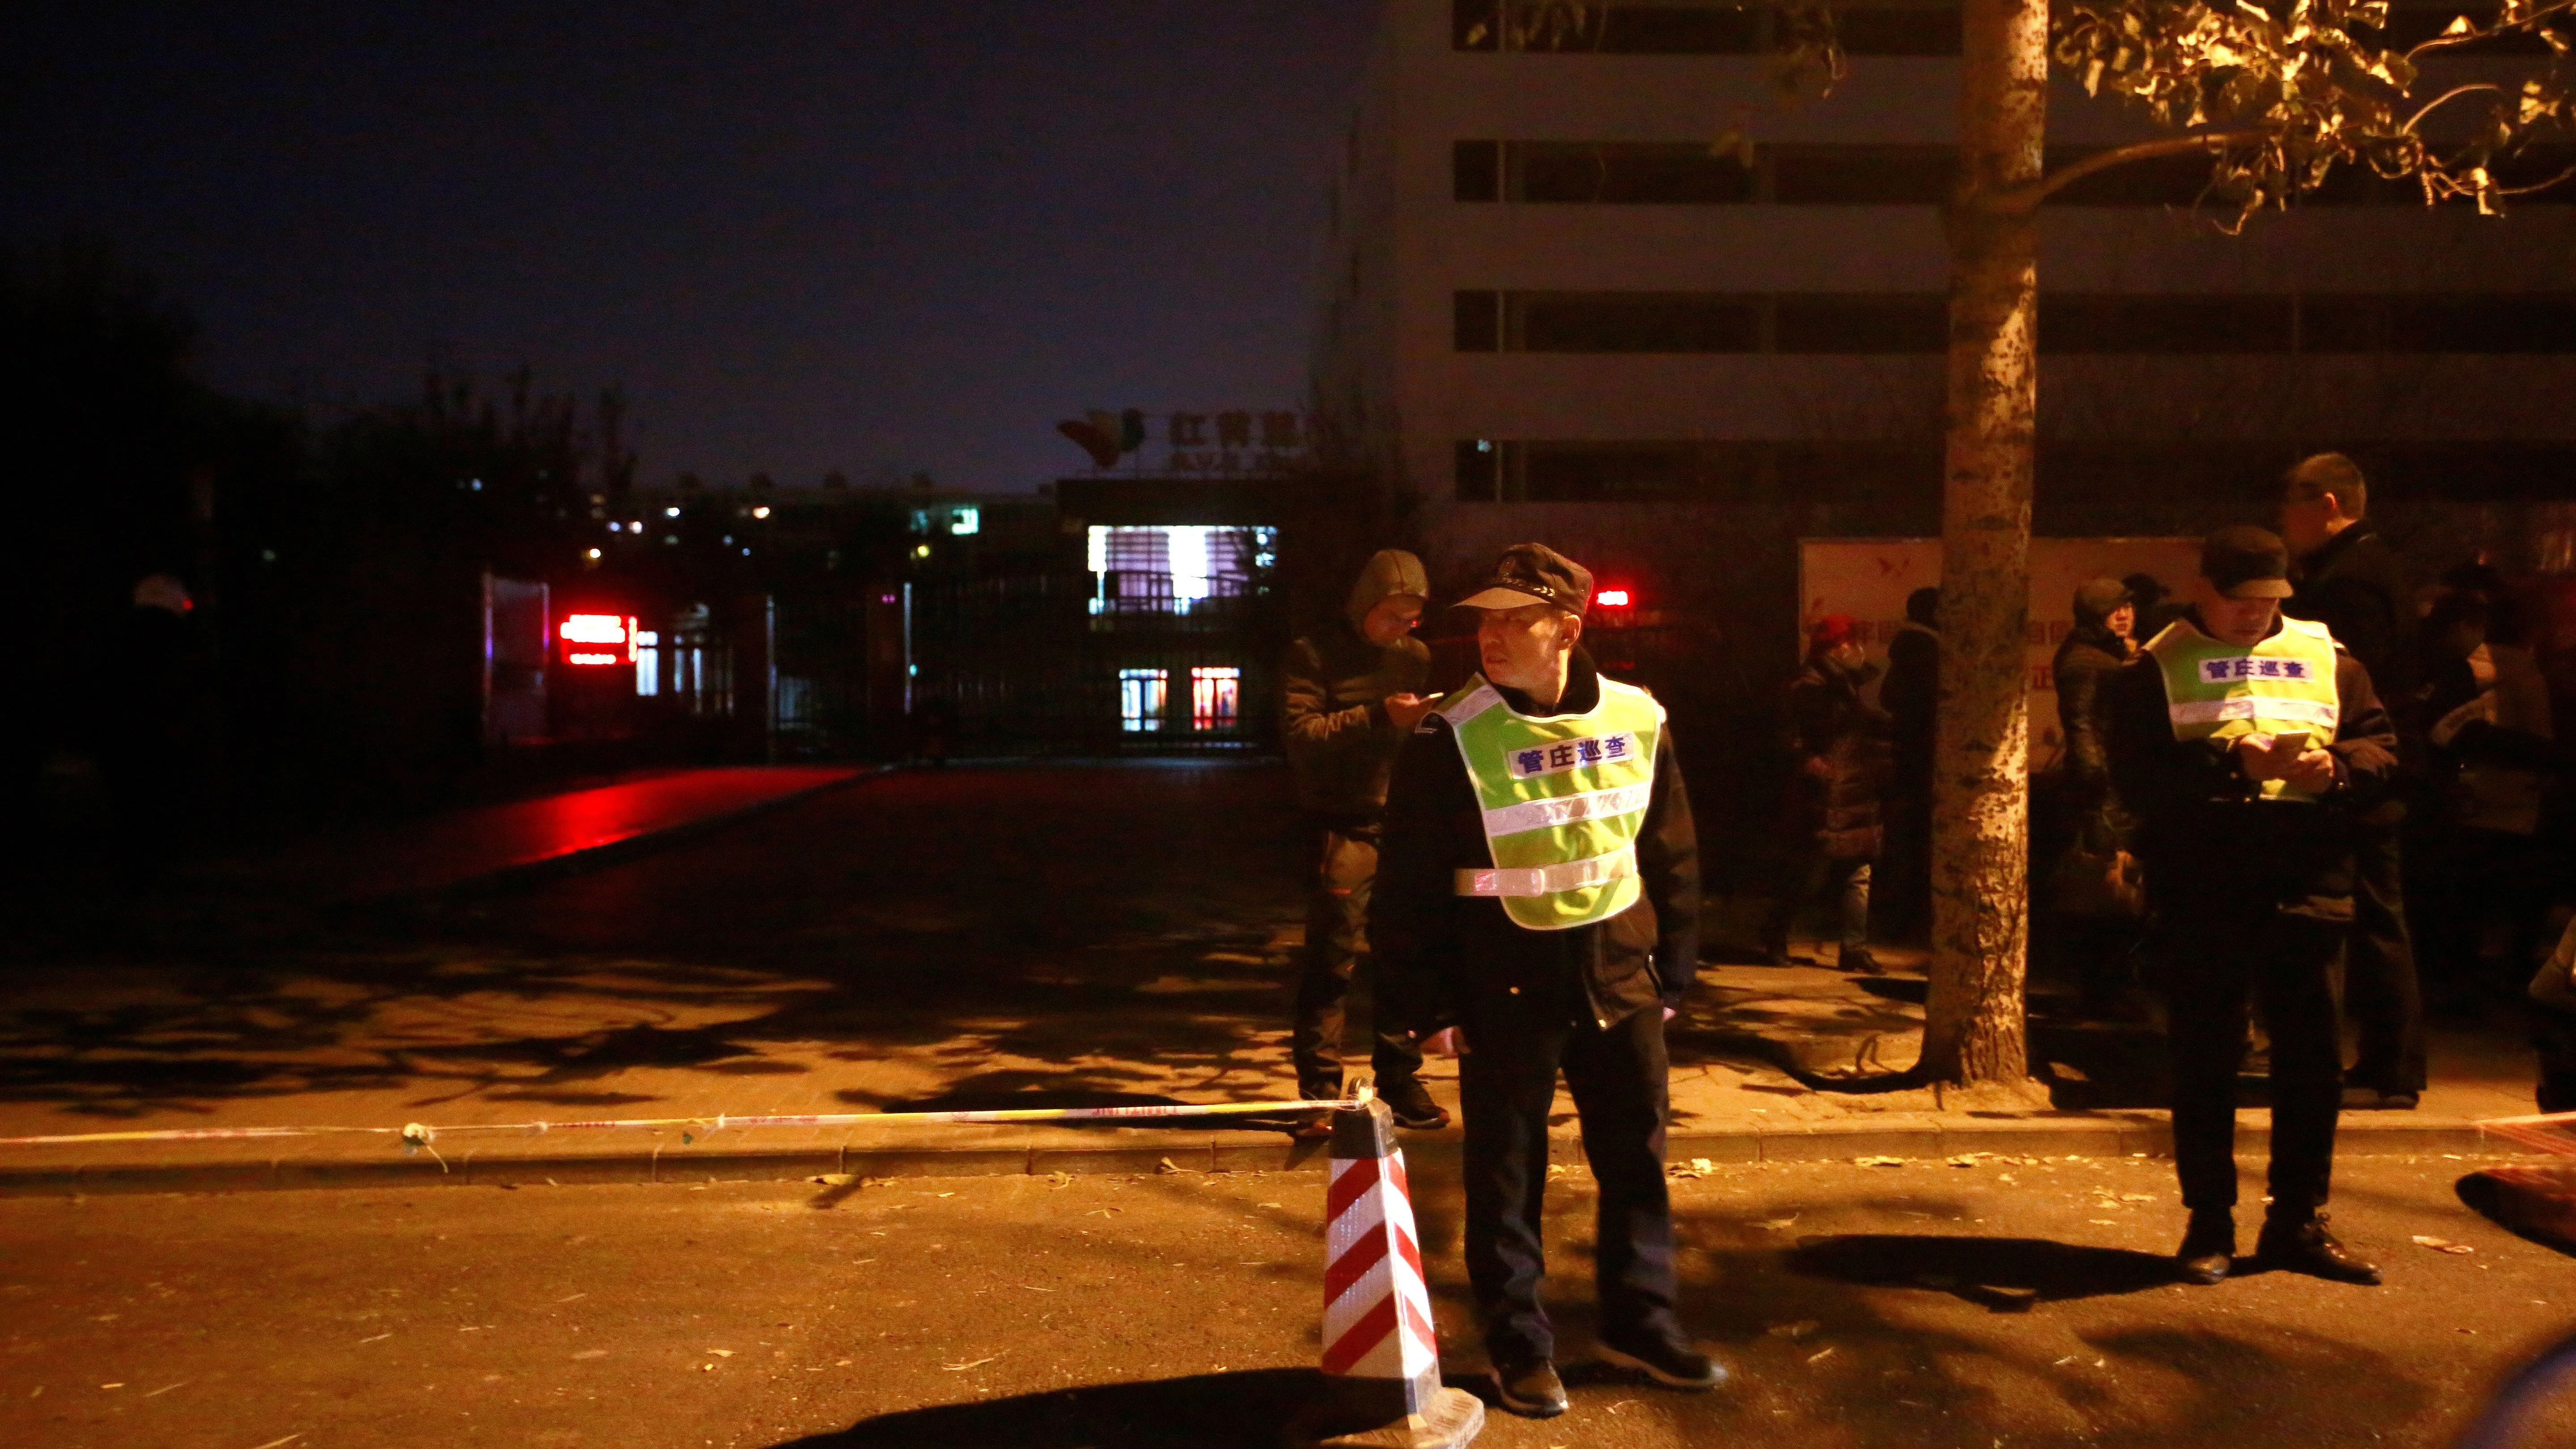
984, 937
499, 1041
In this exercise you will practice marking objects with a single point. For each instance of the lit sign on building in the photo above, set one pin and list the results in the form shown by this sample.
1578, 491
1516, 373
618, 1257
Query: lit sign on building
1218, 442
598, 638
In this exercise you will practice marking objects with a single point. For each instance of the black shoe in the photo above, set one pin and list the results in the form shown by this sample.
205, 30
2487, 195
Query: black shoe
2373, 1099
1531, 1390
1671, 1362
1411, 1103
1858, 959
2208, 1248
2306, 1247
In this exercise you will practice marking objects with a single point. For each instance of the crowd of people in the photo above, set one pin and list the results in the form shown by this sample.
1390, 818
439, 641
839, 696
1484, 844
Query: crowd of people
2295, 793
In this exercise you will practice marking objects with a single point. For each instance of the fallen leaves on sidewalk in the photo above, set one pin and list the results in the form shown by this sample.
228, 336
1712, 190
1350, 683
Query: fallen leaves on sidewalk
1697, 1167
959, 1368
2442, 1245
1878, 1162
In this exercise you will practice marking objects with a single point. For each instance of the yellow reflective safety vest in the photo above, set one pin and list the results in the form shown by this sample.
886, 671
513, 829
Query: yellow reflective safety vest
1564, 799
2216, 691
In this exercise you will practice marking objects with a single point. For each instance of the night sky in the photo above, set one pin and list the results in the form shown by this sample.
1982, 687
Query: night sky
867, 235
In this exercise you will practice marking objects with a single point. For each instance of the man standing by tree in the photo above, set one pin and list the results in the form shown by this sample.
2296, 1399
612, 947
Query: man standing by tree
2247, 743
1541, 897
2351, 581
1350, 696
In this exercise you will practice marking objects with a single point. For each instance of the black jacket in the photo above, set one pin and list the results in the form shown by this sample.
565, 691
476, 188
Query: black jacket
1911, 696
2086, 659
2205, 835
1437, 949
1841, 762
2356, 586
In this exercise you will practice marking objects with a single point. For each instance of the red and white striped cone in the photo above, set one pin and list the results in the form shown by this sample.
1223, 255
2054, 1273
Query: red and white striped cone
1381, 1357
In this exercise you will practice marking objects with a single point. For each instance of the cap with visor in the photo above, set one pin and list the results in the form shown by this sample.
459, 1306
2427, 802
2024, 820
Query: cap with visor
1533, 573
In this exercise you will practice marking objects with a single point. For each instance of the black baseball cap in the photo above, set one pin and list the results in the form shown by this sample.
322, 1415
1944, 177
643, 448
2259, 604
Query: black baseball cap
1533, 573
2246, 562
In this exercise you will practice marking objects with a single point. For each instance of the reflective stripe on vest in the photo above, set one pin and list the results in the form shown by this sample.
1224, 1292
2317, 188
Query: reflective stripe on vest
2217, 691
1563, 799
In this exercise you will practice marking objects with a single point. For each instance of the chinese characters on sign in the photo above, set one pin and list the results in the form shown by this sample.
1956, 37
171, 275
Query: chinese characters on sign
1571, 754
1226, 443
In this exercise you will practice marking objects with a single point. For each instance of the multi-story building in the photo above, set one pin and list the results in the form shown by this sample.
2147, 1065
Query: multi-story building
1562, 300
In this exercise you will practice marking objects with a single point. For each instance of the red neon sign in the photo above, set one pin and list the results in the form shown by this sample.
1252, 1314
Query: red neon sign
614, 630
1611, 598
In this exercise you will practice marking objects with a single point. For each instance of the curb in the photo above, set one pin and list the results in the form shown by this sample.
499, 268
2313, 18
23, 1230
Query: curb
528, 874
1185, 1151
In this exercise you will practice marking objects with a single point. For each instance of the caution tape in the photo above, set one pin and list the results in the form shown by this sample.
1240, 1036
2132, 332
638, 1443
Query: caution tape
421, 1134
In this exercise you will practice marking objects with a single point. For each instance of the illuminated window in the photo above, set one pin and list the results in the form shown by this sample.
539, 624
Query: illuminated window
965, 520
1215, 696
1174, 568
1140, 698
648, 662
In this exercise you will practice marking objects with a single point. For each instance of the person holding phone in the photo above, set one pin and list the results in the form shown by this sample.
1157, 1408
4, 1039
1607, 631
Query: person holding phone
2249, 745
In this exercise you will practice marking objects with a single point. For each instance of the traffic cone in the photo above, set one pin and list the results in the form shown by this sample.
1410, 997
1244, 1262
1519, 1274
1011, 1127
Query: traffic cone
1381, 1359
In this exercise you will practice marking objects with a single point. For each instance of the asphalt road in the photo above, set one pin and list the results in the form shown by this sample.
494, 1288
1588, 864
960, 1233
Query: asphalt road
2018, 1304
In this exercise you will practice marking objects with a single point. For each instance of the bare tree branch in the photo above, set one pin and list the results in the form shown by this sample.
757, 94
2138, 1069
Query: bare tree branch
2211, 141
2530, 23
2446, 97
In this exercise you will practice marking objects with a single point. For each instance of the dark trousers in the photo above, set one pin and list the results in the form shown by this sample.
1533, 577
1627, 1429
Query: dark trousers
1809, 874
2219, 958
1336, 934
1515, 1047
2380, 987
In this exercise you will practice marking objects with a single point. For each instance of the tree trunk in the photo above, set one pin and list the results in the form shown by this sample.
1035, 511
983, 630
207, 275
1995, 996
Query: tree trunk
1974, 1028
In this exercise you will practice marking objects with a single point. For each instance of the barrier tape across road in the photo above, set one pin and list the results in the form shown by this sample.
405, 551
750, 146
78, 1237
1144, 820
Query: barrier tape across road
420, 1134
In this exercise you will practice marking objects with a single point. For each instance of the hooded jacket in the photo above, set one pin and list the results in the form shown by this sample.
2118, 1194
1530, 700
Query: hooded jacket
1332, 716
2086, 659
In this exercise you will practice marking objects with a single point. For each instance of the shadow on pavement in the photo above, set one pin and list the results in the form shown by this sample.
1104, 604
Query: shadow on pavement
1244, 1408
2006, 1275
1097, 929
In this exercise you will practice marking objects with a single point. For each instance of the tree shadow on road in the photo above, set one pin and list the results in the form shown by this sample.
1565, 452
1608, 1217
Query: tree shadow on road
1229, 1409
2005, 1275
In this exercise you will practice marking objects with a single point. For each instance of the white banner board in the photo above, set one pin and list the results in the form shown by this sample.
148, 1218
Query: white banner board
1868, 578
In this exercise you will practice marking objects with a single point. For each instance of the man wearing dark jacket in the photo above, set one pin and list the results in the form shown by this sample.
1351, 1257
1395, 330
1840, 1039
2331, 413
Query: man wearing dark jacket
2248, 744
2352, 582
1350, 696
1540, 898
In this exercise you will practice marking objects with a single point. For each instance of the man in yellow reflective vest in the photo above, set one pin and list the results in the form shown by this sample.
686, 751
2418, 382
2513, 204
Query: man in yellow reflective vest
2249, 745
1538, 896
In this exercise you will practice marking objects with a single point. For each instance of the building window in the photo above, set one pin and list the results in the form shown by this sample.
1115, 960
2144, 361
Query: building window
1140, 699
1893, 324
1175, 568
1479, 471
1628, 322
648, 662
1477, 321
1475, 171
1687, 173
1215, 697
965, 520
1881, 326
